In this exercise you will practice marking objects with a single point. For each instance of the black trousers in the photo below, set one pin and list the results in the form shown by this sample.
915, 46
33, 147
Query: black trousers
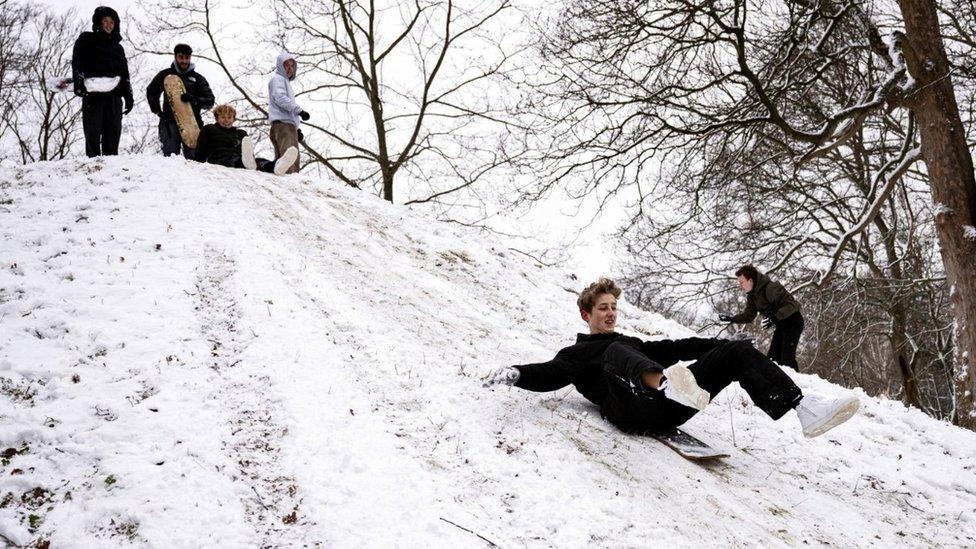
101, 120
169, 138
236, 162
782, 349
635, 408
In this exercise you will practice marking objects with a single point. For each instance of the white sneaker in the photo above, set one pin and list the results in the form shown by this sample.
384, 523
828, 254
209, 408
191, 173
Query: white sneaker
680, 386
286, 161
819, 414
247, 154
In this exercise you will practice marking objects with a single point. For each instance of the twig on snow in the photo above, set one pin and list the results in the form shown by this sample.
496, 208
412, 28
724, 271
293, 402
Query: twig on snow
490, 543
261, 501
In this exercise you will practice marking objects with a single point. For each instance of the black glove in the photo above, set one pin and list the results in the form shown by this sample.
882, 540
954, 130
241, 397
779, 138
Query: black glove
304, 116
127, 101
301, 136
725, 318
767, 322
189, 98
80, 89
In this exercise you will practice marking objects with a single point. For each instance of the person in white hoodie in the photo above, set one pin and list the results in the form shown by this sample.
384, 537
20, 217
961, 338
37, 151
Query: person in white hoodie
284, 113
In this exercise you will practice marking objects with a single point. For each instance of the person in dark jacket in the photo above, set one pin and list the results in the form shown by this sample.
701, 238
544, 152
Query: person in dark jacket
223, 144
778, 308
640, 388
99, 54
198, 94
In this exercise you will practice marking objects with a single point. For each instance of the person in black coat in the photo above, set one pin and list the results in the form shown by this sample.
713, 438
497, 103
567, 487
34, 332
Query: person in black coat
223, 144
198, 95
96, 54
640, 388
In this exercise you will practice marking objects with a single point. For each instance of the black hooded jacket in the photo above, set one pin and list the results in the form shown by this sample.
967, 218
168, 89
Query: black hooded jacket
97, 54
195, 84
217, 143
582, 364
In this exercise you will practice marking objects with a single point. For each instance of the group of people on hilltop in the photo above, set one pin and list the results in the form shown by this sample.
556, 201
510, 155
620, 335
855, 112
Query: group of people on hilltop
99, 54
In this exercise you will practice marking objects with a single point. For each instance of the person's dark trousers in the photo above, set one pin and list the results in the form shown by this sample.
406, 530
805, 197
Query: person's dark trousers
786, 337
169, 136
635, 408
101, 120
264, 165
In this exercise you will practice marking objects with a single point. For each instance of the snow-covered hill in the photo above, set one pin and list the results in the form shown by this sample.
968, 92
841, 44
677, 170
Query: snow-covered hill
193, 356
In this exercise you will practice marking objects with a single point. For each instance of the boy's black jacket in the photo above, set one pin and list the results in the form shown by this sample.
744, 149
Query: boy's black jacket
217, 143
582, 364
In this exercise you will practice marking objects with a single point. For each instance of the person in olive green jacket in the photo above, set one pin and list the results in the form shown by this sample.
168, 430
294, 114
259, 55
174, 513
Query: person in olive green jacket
778, 307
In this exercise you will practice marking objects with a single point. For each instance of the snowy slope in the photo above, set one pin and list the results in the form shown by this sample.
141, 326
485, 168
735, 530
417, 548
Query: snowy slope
194, 356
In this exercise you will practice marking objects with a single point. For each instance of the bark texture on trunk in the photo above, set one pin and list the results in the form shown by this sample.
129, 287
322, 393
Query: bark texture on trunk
953, 185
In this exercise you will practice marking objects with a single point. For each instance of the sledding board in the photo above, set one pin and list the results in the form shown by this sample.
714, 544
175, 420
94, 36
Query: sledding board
688, 446
182, 111
96, 84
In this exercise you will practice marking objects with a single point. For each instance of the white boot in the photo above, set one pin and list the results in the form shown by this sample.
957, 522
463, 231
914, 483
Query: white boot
247, 154
287, 159
680, 386
820, 414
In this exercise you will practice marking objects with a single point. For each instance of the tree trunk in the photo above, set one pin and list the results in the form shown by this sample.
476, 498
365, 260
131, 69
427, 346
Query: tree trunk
899, 342
953, 185
388, 185
898, 337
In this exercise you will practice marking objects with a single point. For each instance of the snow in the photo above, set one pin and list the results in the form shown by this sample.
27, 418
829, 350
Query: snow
192, 356
939, 208
969, 232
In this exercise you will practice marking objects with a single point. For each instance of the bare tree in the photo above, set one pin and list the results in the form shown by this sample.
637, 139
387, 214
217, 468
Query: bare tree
953, 184
702, 87
45, 122
890, 337
399, 91
721, 219
14, 20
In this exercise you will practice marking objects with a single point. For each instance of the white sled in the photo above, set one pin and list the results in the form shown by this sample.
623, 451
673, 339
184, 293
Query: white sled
98, 84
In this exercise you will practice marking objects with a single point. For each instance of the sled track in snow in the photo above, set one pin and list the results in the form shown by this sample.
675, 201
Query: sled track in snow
273, 503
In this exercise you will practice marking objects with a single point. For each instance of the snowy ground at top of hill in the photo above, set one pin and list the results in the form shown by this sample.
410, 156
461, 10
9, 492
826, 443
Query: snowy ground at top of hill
195, 356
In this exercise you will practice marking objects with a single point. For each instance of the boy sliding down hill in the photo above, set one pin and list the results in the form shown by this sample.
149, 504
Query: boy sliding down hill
223, 144
628, 379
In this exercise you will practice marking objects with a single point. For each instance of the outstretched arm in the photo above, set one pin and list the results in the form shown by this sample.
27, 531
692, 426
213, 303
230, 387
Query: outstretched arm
748, 315
546, 376
542, 377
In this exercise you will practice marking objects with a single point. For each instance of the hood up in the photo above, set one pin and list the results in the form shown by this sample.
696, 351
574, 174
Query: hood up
280, 64
105, 11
